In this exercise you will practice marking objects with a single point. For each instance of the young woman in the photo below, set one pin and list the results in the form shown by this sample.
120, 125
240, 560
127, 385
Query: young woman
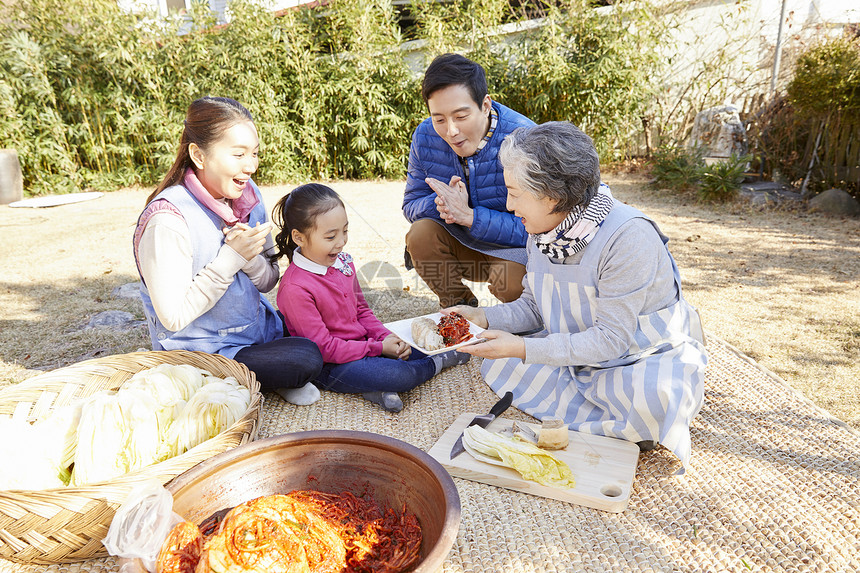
321, 299
621, 352
200, 247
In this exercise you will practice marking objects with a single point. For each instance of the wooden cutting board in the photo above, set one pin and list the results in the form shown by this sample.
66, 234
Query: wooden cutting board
604, 468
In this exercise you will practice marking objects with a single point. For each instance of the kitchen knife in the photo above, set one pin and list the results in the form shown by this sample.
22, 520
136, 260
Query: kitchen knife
483, 421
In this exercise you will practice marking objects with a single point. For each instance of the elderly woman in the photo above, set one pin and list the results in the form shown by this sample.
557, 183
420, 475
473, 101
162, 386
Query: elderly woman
620, 352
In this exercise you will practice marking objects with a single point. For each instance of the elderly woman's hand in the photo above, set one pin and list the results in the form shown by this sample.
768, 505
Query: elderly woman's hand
473, 314
499, 344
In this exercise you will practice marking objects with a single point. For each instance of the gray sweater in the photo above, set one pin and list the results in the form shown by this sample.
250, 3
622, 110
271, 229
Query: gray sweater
635, 278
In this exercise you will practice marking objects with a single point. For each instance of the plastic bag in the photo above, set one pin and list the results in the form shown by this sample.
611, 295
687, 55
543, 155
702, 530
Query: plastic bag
142, 523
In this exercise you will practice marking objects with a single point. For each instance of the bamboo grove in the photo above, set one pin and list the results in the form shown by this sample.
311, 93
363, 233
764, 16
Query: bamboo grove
92, 97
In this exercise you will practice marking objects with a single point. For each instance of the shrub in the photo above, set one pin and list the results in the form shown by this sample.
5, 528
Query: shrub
827, 78
684, 170
721, 181
587, 67
811, 134
676, 168
96, 97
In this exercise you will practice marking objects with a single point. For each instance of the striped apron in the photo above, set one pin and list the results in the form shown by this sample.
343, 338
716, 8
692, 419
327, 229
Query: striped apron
651, 393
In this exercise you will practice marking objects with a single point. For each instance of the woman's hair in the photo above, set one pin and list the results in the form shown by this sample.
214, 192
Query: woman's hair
554, 159
205, 123
454, 69
299, 210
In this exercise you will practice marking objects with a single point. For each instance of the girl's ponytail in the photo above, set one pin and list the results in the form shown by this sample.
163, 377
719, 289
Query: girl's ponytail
284, 244
299, 210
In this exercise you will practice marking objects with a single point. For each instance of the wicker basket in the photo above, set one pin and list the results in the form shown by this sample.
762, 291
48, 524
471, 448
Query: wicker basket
68, 524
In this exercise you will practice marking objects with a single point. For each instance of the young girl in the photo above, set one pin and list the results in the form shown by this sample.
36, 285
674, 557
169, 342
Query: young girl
321, 299
199, 247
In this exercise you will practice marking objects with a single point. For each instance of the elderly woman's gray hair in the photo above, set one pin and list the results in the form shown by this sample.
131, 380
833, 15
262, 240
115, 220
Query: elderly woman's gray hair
554, 159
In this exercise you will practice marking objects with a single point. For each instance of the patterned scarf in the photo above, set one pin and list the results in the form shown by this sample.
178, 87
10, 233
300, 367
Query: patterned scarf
494, 121
578, 228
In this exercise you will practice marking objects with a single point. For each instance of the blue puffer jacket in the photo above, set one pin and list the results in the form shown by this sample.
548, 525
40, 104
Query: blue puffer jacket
494, 231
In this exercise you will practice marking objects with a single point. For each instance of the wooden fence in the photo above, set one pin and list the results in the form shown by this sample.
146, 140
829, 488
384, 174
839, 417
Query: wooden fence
813, 152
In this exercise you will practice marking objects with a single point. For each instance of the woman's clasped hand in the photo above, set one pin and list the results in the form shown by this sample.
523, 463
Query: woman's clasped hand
247, 241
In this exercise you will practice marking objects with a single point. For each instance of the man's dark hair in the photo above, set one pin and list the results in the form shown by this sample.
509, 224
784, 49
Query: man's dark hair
454, 69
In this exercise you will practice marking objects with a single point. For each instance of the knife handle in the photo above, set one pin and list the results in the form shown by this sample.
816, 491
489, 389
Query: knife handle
502, 404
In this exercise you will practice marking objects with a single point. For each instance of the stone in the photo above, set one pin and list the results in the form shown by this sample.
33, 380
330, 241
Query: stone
835, 202
128, 290
719, 132
116, 319
766, 193
11, 179
761, 200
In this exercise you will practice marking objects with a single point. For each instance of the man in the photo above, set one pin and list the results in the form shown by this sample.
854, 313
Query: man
455, 189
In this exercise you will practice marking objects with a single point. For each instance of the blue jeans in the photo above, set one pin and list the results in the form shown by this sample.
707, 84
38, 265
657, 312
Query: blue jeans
289, 362
377, 373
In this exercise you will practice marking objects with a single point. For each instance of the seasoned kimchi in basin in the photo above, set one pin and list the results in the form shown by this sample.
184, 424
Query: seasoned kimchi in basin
392, 472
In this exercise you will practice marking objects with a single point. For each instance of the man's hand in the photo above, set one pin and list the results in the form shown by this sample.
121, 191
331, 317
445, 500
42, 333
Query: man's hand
452, 201
499, 344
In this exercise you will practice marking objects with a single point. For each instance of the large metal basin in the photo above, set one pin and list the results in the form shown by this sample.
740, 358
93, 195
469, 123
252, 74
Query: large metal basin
393, 472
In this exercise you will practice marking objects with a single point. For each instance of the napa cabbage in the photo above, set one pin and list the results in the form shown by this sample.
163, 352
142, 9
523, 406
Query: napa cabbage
216, 406
530, 461
158, 413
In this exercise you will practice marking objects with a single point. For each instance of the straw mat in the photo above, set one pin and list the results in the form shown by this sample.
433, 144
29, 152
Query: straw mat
774, 484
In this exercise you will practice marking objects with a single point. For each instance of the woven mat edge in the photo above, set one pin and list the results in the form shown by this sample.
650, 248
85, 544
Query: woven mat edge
776, 377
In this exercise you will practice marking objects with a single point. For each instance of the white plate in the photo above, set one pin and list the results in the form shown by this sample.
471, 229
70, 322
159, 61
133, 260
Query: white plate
403, 329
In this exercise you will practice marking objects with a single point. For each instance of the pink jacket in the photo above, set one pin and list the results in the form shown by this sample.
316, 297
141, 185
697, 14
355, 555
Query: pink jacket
329, 309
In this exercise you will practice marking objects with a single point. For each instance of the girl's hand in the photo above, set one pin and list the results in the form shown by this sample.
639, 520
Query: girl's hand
394, 347
405, 350
247, 241
499, 344
470, 313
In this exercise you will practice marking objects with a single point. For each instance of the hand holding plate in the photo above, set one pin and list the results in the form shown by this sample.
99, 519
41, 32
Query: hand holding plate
497, 344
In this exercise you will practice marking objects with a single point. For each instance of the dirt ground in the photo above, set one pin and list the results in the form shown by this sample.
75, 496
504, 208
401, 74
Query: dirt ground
781, 285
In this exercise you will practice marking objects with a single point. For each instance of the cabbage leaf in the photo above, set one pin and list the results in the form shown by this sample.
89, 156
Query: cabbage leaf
530, 461
158, 413
211, 410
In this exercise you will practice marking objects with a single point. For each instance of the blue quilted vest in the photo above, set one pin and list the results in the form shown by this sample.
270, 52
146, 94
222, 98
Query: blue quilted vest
495, 231
241, 317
